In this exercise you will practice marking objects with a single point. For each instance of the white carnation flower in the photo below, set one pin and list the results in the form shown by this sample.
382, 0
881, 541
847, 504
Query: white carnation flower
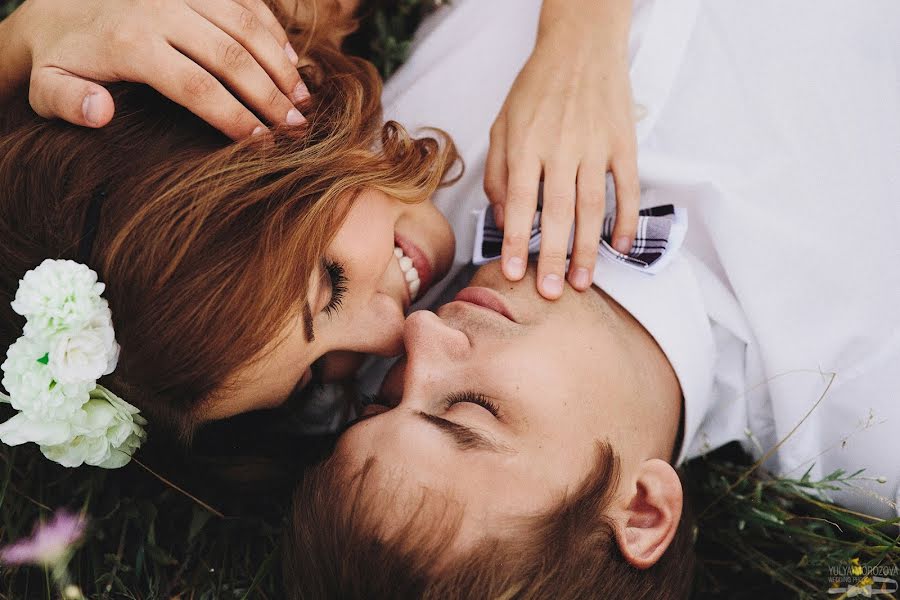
22, 429
107, 431
32, 387
58, 295
85, 354
51, 372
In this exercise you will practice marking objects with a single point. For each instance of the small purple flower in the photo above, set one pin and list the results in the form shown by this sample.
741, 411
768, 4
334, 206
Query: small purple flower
50, 544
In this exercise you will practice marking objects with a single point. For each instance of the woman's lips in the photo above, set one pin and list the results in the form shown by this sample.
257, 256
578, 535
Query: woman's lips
485, 298
420, 262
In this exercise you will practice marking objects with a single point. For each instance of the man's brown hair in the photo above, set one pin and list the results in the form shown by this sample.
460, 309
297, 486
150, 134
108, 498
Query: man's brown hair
334, 548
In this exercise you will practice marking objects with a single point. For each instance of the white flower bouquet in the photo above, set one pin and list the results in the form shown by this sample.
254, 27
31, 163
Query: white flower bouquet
51, 372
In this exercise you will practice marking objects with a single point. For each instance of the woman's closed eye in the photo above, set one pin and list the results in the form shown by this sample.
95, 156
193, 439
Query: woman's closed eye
338, 282
337, 289
472, 398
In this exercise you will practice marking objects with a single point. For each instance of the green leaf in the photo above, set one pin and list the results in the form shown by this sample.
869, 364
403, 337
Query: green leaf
45, 359
767, 516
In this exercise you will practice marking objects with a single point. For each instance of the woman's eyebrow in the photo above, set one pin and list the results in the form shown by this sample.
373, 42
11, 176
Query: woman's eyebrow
308, 322
466, 438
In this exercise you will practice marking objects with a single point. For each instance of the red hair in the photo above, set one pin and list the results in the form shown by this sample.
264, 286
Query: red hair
205, 246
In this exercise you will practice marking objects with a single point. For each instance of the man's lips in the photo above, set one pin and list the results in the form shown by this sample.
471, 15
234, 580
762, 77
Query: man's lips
420, 262
485, 298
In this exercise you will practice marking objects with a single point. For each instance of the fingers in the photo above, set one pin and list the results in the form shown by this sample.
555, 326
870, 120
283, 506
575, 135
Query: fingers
227, 59
55, 93
270, 22
590, 208
187, 83
628, 199
556, 225
521, 201
249, 29
496, 171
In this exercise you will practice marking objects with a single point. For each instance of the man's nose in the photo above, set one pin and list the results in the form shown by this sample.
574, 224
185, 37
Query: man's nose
435, 356
429, 341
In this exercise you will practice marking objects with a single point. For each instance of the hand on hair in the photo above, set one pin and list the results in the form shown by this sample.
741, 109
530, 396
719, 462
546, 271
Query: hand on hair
568, 116
227, 61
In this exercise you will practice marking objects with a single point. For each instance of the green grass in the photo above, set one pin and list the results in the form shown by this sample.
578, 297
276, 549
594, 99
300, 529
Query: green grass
767, 537
386, 31
145, 539
7, 6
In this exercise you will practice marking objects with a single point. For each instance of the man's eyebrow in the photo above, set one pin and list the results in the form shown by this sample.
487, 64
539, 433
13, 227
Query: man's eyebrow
465, 437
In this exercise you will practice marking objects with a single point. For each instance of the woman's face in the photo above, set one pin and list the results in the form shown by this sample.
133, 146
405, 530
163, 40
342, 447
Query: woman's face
385, 255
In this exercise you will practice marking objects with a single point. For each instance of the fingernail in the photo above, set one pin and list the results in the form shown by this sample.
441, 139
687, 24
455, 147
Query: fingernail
300, 93
294, 117
291, 54
514, 267
498, 215
90, 108
259, 129
553, 285
622, 244
581, 278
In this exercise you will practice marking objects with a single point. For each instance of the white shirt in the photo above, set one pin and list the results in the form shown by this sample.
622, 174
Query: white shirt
777, 126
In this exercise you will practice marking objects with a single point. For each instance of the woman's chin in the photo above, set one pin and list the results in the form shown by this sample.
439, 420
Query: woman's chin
340, 365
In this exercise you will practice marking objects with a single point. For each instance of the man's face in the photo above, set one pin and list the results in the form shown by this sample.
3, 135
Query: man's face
503, 397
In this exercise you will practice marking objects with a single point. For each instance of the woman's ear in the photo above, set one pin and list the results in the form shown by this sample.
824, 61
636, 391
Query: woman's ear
649, 520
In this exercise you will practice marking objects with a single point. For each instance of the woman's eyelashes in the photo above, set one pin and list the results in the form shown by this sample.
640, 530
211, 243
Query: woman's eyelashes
338, 280
472, 398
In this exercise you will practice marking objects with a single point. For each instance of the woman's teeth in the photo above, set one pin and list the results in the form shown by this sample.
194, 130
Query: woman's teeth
409, 272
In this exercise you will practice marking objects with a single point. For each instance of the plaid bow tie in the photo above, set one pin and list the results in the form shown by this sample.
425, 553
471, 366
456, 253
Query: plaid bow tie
660, 232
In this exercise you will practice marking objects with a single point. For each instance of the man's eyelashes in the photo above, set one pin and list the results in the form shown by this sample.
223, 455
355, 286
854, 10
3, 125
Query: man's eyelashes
472, 398
451, 400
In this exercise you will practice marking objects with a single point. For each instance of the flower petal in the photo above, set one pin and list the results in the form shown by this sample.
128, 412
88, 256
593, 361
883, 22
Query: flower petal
21, 429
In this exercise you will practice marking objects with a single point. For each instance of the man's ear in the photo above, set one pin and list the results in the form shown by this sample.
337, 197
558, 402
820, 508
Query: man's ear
649, 520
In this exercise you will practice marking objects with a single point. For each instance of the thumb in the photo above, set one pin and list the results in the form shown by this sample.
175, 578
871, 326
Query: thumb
58, 94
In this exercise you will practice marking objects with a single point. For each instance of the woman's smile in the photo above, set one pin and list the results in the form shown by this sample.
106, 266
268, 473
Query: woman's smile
414, 264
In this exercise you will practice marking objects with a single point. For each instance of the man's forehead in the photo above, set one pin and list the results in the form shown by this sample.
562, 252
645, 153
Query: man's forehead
391, 491
400, 502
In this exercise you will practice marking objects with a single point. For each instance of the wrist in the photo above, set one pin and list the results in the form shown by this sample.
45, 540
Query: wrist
15, 67
600, 27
